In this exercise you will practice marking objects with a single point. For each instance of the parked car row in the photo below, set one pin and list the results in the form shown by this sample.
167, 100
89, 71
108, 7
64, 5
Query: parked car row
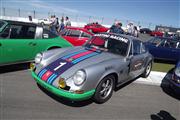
100, 63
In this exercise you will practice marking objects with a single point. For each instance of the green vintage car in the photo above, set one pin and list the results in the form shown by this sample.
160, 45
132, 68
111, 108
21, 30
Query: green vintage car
21, 41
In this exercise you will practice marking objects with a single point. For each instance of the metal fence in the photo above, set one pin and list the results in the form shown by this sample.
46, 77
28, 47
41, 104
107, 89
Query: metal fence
73, 17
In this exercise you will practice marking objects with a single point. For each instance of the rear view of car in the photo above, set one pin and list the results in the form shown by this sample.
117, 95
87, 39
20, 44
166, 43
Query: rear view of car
96, 28
21, 41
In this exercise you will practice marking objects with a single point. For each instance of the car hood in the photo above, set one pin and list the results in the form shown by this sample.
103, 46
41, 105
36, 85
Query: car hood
67, 63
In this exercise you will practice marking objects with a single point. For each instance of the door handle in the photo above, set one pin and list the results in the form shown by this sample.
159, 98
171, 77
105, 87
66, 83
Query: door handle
32, 44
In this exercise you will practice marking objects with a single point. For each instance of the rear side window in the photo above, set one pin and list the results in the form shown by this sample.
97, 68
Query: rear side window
22, 32
74, 33
48, 34
143, 48
85, 35
137, 47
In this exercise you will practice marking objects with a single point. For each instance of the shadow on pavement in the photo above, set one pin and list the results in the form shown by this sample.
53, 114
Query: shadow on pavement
162, 115
15, 67
166, 87
125, 84
65, 101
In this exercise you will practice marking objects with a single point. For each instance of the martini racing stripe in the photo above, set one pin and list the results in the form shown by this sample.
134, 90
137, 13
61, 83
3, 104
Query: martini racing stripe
72, 54
50, 73
46, 75
41, 72
51, 78
84, 57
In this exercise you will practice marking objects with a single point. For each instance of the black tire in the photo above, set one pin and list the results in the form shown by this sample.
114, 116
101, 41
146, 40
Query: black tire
100, 96
147, 70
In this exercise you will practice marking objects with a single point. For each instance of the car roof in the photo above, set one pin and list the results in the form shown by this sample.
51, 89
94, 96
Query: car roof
20, 22
79, 28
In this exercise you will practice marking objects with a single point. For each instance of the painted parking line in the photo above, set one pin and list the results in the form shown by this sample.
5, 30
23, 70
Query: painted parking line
155, 78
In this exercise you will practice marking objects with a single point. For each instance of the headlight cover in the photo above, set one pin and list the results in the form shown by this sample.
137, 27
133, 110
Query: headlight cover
38, 58
177, 71
79, 77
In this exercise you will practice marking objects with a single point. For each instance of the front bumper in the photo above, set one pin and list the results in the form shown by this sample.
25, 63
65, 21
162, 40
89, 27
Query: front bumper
63, 93
175, 86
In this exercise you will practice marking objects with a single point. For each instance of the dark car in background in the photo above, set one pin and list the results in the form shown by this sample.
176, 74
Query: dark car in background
145, 30
164, 48
76, 36
175, 81
96, 28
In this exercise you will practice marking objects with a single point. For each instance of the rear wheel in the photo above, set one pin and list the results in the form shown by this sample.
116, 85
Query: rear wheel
104, 89
147, 70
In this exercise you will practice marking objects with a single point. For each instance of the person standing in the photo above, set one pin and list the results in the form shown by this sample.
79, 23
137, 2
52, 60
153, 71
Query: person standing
53, 24
67, 21
61, 26
116, 28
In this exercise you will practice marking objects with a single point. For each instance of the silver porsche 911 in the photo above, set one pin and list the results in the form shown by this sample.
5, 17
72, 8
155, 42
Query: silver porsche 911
92, 71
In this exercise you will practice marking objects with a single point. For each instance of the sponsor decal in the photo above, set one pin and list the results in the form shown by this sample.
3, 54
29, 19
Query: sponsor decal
125, 40
56, 68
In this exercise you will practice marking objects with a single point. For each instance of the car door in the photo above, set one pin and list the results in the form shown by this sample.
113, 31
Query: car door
155, 46
19, 46
137, 60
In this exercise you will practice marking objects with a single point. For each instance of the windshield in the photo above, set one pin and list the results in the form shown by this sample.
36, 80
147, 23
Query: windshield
156, 41
110, 43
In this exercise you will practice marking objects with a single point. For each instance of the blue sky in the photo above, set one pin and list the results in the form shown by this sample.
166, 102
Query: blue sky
165, 12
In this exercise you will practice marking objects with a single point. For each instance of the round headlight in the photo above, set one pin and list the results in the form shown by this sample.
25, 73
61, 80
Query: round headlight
79, 77
177, 71
38, 58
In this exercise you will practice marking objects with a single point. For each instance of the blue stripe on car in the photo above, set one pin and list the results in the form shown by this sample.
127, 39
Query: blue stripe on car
42, 72
52, 79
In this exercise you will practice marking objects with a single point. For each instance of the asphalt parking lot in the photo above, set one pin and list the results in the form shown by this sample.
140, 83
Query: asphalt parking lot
21, 98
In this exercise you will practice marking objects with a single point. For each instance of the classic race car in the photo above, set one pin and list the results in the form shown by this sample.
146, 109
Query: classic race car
76, 36
21, 41
175, 81
93, 70
96, 28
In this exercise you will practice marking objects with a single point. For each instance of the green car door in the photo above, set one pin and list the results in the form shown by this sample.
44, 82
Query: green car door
18, 46
21, 42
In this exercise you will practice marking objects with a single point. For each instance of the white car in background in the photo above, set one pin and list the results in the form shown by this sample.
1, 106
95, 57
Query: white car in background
44, 21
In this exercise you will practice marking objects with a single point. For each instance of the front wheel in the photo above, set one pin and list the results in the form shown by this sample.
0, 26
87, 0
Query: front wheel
104, 89
147, 70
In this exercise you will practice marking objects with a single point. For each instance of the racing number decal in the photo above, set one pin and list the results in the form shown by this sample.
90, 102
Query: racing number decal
61, 64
